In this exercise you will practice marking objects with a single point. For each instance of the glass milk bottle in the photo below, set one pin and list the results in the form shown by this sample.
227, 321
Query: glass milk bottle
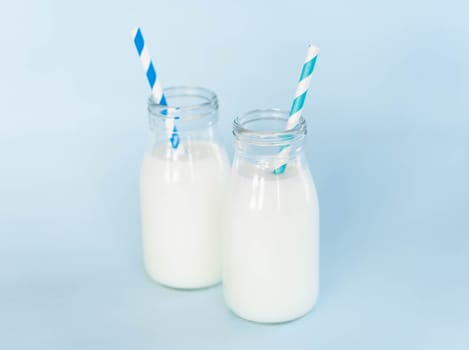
271, 222
181, 190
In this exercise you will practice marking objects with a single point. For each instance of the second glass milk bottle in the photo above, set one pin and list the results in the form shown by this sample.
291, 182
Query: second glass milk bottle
271, 222
182, 181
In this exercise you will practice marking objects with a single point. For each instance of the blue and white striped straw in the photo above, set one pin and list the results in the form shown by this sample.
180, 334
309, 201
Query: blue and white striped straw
300, 96
155, 85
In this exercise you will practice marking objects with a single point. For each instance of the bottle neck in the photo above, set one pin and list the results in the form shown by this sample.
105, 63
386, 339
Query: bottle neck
268, 153
200, 124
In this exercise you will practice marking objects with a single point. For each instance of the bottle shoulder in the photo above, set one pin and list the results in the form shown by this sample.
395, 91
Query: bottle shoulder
261, 189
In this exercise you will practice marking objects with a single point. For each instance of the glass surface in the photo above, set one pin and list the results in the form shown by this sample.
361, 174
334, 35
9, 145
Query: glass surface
181, 190
271, 222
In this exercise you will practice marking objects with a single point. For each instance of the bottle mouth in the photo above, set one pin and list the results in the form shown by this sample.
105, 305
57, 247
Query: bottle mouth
184, 102
266, 127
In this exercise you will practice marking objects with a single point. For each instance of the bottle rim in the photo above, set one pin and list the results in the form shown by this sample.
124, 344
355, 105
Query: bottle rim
203, 102
268, 137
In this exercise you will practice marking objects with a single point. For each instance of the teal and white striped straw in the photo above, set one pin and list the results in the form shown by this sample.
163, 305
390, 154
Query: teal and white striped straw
300, 96
155, 85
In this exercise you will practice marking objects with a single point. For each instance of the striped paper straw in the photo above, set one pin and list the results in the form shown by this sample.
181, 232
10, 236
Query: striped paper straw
155, 85
300, 96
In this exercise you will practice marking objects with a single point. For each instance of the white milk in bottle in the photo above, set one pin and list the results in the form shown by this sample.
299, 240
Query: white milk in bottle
182, 191
271, 223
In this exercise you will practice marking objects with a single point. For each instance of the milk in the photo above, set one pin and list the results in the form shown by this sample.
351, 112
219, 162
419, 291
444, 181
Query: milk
271, 243
181, 196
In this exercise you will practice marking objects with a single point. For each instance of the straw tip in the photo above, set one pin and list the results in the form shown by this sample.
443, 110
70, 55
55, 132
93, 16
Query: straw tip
134, 31
313, 48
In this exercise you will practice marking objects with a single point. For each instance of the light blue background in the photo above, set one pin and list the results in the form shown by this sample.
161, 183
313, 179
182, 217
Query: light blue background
388, 144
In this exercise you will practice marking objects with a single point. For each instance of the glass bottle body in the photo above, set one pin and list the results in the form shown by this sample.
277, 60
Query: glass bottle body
181, 191
271, 223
